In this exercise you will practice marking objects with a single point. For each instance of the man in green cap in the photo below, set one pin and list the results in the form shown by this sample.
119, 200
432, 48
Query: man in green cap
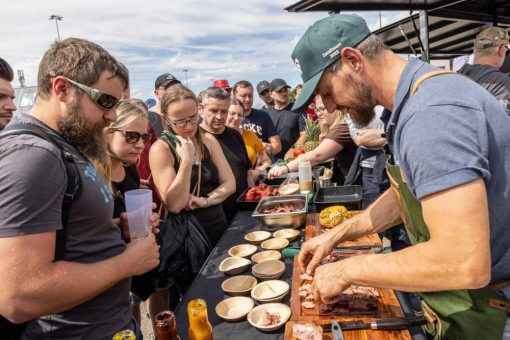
450, 172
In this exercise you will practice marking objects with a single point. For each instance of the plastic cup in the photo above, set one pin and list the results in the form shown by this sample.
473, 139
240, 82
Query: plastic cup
139, 210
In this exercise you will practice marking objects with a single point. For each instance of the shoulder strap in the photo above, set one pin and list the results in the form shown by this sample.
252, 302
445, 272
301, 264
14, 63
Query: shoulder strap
427, 76
73, 188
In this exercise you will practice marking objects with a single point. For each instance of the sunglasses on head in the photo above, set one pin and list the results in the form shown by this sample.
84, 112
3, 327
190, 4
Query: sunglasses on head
132, 137
101, 98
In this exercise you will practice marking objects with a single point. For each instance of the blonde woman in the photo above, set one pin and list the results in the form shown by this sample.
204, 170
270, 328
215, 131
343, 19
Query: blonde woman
192, 173
126, 138
337, 143
254, 147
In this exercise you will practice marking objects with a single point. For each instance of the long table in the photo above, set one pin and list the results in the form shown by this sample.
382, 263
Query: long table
207, 286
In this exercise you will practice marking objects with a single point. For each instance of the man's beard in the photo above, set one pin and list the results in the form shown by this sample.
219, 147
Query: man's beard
79, 132
361, 110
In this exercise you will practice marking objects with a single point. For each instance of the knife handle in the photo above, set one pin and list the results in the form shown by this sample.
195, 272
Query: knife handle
398, 323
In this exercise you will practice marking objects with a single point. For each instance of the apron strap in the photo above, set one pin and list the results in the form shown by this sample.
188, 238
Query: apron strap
427, 76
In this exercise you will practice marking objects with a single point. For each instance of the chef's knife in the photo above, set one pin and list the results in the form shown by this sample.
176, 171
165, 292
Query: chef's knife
383, 324
336, 331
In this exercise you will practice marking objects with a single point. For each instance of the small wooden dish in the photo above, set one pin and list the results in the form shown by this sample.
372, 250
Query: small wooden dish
239, 285
243, 250
257, 237
234, 265
277, 243
257, 313
289, 234
266, 255
270, 291
234, 308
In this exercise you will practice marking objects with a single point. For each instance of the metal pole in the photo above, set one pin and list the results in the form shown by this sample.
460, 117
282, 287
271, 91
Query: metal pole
424, 35
57, 18
186, 75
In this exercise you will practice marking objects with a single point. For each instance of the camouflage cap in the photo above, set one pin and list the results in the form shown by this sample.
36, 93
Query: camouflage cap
491, 37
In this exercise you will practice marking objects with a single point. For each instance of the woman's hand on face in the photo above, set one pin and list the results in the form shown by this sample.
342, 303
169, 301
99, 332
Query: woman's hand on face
186, 150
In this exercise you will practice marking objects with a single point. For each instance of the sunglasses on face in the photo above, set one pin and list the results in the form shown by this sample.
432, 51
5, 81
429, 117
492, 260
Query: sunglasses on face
101, 98
132, 137
183, 122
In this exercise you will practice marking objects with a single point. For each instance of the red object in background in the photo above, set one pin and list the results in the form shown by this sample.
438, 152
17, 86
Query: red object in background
222, 83
261, 190
311, 113
297, 152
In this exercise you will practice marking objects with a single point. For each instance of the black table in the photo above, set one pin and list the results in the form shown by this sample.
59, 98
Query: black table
207, 286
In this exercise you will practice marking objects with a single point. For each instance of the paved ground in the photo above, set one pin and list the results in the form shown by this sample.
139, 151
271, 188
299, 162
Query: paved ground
146, 324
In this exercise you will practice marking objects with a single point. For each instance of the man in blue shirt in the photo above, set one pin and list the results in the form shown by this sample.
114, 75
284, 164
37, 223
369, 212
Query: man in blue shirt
450, 175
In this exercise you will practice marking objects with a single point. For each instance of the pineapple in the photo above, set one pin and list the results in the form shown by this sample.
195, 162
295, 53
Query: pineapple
313, 130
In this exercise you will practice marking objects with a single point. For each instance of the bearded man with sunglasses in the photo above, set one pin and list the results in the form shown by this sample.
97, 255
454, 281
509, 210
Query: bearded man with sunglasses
84, 294
490, 49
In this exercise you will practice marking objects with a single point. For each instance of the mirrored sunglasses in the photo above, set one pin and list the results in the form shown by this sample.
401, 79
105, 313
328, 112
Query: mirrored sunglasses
101, 98
132, 137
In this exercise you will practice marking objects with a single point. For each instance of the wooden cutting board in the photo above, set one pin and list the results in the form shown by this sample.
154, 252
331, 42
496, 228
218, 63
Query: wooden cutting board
388, 307
314, 228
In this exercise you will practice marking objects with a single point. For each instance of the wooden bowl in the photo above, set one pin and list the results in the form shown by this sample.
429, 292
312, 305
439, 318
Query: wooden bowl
289, 234
270, 291
257, 237
269, 268
234, 265
239, 285
234, 308
243, 250
266, 255
257, 313
277, 243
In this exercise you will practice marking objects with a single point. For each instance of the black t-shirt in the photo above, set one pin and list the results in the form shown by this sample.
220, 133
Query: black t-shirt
233, 147
259, 122
288, 126
130, 182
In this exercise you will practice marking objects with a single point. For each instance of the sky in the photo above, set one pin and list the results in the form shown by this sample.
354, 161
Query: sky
234, 40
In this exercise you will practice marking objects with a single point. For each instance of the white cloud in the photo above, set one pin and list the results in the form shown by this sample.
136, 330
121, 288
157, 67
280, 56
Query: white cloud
227, 39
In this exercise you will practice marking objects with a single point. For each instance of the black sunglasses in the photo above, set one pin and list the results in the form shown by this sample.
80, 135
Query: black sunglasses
132, 137
101, 98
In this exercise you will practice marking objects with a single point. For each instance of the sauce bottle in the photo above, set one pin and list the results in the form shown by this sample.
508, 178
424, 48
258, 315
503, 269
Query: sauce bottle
305, 177
166, 328
199, 326
126, 334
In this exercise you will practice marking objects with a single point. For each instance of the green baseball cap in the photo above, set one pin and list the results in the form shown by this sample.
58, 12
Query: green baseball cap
320, 47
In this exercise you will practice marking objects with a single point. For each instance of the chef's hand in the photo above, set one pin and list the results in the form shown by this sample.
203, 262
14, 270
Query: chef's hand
330, 281
317, 248
277, 171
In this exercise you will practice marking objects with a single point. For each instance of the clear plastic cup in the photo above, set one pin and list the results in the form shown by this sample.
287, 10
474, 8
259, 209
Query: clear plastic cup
139, 210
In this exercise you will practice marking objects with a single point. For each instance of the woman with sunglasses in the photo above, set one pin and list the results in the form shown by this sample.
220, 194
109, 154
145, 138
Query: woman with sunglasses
126, 138
259, 159
192, 173
337, 142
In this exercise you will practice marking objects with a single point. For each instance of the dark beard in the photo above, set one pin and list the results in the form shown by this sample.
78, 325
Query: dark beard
86, 137
362, 109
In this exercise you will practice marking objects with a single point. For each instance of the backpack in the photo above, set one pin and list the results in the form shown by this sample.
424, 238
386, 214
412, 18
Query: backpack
9, 330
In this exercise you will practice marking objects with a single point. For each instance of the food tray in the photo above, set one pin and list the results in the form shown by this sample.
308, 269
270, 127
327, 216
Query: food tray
276, 221
249, 205
349, 196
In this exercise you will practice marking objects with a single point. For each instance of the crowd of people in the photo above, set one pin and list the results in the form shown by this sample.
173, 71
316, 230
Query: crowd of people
433, 166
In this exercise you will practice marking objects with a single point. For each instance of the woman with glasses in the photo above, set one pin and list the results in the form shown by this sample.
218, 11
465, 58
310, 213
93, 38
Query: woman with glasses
126, 139
337, 143
191, 171
254, 147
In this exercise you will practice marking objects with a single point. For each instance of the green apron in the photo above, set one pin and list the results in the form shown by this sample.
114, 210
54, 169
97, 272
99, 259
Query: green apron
455, 314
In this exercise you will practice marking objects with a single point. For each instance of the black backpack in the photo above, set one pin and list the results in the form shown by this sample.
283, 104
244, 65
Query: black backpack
9, 330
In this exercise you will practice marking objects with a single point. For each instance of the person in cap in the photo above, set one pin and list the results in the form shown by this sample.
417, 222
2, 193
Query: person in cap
7, 95
223, 83
256, 120
450, 180
263, 91
162, 83
289, 124
490, 49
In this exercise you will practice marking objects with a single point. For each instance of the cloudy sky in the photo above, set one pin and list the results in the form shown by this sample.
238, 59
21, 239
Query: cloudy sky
226, 39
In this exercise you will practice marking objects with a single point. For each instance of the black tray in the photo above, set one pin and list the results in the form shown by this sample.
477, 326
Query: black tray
248, 205
349, 196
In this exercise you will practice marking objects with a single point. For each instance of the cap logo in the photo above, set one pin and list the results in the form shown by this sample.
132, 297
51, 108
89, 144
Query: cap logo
333, 51
298, 66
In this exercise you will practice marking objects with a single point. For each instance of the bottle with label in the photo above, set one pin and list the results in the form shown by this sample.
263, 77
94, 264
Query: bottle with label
166, 328
126, 334
305, 177
199, 326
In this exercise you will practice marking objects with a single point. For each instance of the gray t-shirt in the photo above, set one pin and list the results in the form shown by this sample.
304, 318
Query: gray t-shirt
32, 185
451, 132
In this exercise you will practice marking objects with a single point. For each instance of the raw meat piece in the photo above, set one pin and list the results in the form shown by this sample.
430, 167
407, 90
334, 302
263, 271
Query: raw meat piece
305, 276
308, 331
308, 304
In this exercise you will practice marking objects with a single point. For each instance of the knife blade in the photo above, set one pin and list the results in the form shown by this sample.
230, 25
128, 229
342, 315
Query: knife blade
382, 324
336, 330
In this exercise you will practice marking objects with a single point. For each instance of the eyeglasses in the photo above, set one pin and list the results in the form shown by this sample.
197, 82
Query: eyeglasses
235, 114
132, 137
101, 98
320, 109
183, 122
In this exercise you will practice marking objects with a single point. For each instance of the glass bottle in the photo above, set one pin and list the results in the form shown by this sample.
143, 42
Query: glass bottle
126, 334
199, 326
166, 328
305, 177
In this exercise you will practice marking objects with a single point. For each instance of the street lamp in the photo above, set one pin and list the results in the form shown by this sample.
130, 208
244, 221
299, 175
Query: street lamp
186, 75
57, 18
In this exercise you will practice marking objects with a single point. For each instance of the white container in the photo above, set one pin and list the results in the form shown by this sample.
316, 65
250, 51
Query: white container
305, 177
